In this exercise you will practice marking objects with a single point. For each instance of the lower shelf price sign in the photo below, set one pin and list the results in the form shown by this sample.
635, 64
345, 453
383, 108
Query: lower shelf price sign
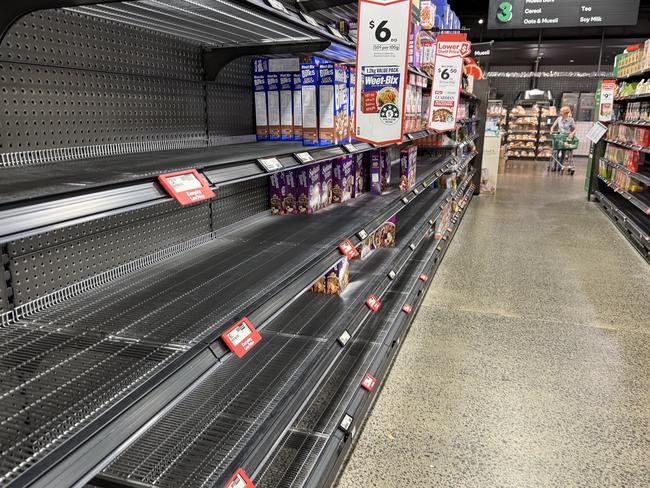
447, 80
373, 303
368, 382
424, 277
240, 480
407, 308
241, 337
186, 186
348, 249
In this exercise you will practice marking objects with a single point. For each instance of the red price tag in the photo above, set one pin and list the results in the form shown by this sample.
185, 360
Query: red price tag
186, 186
407, 308
348, 249
424, 277
241, 337
240, 480
373, 303
368, 382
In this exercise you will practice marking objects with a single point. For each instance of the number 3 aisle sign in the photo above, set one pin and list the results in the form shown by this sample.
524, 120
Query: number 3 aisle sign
447, 78
382, 54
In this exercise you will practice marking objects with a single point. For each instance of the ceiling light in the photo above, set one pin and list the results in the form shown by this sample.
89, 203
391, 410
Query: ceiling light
571, 61
480, 21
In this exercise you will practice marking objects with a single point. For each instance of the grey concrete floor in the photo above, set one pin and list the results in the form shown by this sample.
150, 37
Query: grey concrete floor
528, 364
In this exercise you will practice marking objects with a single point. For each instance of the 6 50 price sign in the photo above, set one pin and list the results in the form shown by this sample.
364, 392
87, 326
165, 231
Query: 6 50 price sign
382, 55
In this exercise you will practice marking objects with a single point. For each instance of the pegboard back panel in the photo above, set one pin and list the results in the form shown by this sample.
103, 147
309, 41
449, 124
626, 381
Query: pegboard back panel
239, 201
66, 39
229, 102
4, 298
53, 260
46, 108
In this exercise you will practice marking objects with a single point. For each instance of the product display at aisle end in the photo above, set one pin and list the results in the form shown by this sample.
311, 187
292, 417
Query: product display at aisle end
208, 270
622, 170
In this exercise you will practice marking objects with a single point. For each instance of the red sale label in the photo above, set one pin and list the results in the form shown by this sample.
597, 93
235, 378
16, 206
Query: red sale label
348, 249
240, 480
373, 303
407, 308
186, 187
424, 277
241, 337
368, 382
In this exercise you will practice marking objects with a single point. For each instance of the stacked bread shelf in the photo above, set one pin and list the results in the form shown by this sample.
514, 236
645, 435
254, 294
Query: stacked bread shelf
115, 297
522, 130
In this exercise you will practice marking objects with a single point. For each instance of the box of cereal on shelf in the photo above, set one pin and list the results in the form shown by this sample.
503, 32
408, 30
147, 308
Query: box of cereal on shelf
332, 104
384, 236
375, 167
273, 104
297, 107
335, 280
351, 101
290, 201
309, 88
277, 193
342, 179
325, 183
360, 174
286, 106
408, 161
386, 164
260, 88
308, 188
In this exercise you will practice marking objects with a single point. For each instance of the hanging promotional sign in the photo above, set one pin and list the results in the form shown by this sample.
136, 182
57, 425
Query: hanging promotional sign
447, 80
606, 105
382, 53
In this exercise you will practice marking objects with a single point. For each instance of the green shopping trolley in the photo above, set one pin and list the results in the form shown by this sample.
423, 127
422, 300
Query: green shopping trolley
562, 156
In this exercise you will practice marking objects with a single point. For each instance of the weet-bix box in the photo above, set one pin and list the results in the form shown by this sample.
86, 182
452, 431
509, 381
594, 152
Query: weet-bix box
360, 175
286, 106
290, 201
351, 103
273, 104
332, 107
277, 193
309, 188
326, 183
309, 87
260, 88
408, 160
297, 107
342, 179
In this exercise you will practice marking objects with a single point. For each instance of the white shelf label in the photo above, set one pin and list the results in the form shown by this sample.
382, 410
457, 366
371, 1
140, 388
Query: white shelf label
350, 147
362, 234
304, 157
309, 19
270, 164
346, 422
392, 274
344, 338
277, 5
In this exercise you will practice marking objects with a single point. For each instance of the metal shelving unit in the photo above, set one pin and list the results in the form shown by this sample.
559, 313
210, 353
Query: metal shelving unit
115, 297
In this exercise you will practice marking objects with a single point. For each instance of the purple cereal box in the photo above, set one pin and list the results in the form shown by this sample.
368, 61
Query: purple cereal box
342, 179
359, 169
326, 183
386, 164
290, 201
308, 184
384, 236
335, 280
374, 163
408, 160
277, 193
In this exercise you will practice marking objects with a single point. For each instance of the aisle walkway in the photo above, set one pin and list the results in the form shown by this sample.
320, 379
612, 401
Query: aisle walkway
529, 363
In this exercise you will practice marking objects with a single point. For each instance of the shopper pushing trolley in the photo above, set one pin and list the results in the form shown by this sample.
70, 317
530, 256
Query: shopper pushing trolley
564, 142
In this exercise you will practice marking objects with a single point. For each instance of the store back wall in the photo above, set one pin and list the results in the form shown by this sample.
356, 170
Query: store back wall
507, 88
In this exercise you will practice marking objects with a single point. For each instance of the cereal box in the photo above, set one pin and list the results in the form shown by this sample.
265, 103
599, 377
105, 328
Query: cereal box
374, 163
277, 193
335, 280
332, 104
297, 107
309, 188
408, 159
290, 200
380, 93
342, 179
351, 101
273, 104
384, 236
260, 88
309, 88
360, 174
386, 164
286, 106
326, 183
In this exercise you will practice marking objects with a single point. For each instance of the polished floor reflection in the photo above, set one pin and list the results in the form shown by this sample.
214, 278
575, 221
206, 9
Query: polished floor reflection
529, 363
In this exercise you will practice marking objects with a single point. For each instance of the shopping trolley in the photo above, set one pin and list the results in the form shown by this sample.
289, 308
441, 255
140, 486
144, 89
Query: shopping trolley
562, 142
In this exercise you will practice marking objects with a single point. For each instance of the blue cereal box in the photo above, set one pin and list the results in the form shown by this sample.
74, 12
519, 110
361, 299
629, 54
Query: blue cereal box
286, 106
260, 66
309, 88
273, 104
333, 106
297, 107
